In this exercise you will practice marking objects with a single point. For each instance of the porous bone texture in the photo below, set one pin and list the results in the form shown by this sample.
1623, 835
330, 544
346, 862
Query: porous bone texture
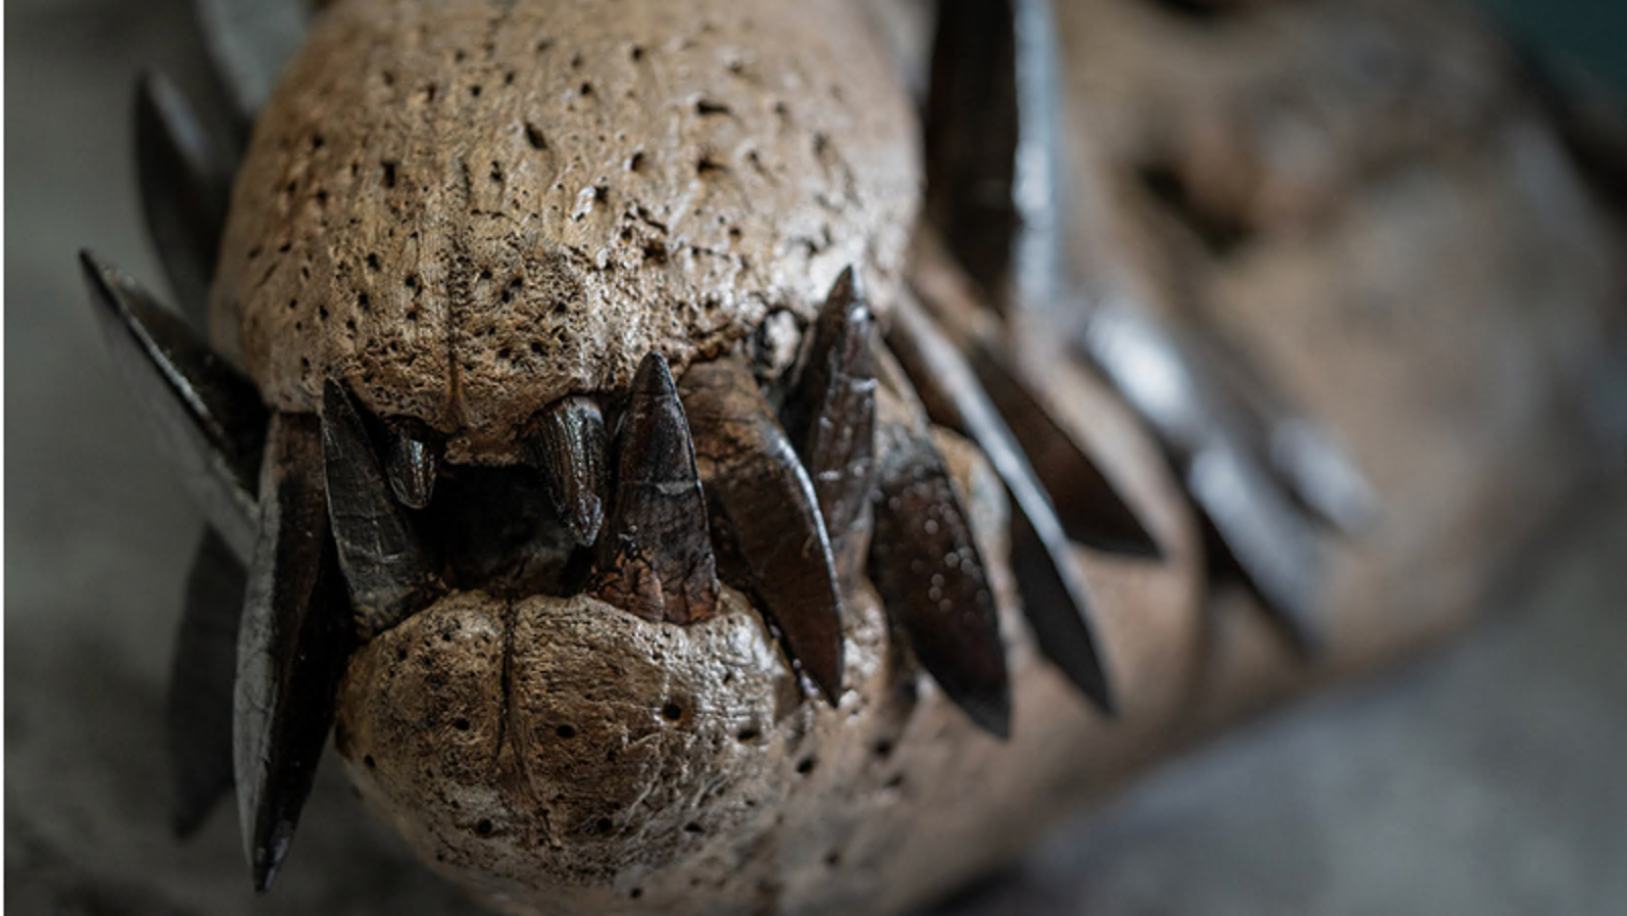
468, 210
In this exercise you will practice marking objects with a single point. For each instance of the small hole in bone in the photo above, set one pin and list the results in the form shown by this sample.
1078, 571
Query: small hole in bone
805, 766
672, 711
603, 825
746, 734
484, 827
461, 725
692, 827
566, 731
636, 893
368, 761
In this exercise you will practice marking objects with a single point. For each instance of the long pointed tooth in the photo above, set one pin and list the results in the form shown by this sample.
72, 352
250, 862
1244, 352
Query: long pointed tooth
655, 555
831, 419
971, 135
1272, 544
294, 640
1053, 595
932, 581
412, 461
249, 42
387, 569
766, 501
569, 447
185, 189
1087, 504
208, 417
198, 707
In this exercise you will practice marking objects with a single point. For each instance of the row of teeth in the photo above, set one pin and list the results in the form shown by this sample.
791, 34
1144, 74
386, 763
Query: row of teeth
844, 479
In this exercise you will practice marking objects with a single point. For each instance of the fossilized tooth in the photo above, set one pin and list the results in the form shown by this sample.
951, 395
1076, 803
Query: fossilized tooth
412, 461
387, 570
655, 553
1090, 508
1054, 599
209, 418
568, 447
970, 133
249, 42
1274, 545
198, 707
1087, 504
186, 185
931, 578
766, 504
294, 641
830, 416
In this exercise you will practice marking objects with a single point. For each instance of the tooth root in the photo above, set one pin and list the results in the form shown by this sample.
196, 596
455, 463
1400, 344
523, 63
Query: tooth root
569, 447
1053, 596
208, 417
185, 189
831, 419
1087, 504
655, 555
294, 641
931, 578
412, 462
765, 499
198, 708
249, 42
386, 567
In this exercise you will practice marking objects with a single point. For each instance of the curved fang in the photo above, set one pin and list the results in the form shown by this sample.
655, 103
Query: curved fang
294, 640
208, 417
767, 510
930, 575
830, 416
655, 555
1053, 596
198, 704
387, 570
569, 447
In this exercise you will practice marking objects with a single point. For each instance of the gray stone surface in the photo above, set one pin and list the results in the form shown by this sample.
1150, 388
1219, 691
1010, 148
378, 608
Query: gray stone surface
1486, 779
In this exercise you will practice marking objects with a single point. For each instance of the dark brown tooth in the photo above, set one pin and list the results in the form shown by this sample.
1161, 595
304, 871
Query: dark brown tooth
1087, 504
568, 447
971, 135
295, 639
766, 505
387, 570
198, 708
655, 555
1053, 595
208, 416
186, 185
412, 461
931, 578
830, 416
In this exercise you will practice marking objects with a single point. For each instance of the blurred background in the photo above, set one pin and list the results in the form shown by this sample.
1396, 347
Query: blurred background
1485, 778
